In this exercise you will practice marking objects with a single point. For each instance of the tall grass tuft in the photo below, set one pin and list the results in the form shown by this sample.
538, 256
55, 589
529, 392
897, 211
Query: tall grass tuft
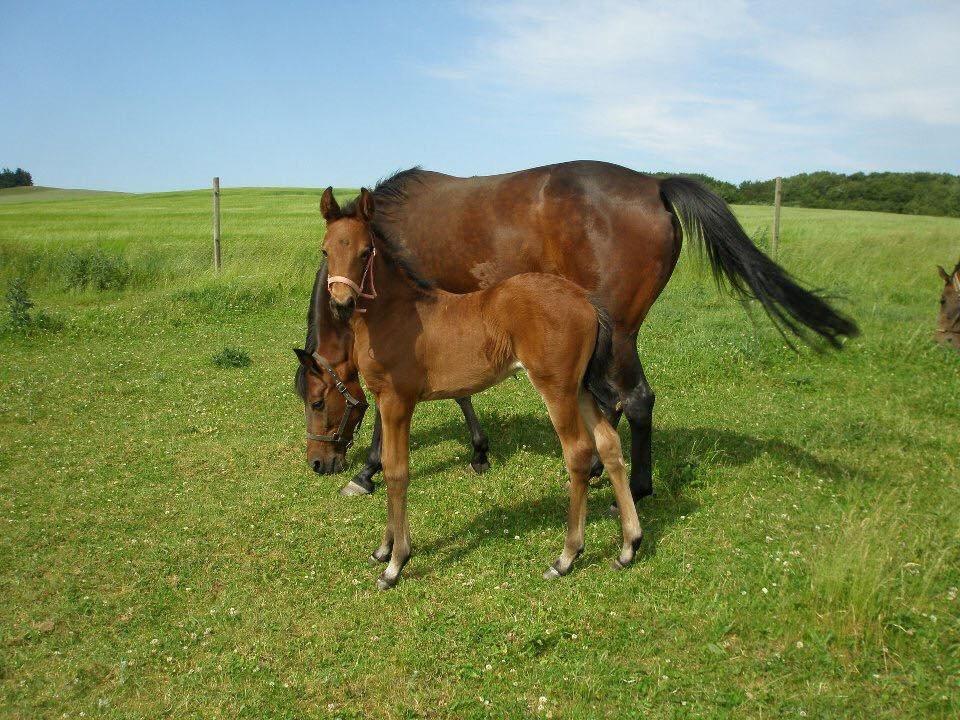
883, 563
95, 269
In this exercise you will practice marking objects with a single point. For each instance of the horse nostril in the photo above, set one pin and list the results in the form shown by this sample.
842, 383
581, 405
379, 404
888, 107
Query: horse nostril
318, 467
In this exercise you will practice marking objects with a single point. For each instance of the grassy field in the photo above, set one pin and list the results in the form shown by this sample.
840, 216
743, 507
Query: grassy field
166, 552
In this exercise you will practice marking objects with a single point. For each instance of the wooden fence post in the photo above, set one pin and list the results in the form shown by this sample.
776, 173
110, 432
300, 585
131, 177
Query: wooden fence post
777, 194
216, 223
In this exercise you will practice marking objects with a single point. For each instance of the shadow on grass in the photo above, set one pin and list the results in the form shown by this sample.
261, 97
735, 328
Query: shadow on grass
683, 459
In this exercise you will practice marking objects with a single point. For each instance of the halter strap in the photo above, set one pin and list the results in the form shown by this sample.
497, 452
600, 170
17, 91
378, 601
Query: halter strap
350, 401
368, 270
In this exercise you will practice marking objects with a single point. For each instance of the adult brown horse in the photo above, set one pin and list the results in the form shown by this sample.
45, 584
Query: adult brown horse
614, 232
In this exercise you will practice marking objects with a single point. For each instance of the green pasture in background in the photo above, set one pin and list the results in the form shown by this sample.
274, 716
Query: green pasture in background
166, 552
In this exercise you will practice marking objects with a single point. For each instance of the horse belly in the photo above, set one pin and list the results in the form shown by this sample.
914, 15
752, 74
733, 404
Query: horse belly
463, 358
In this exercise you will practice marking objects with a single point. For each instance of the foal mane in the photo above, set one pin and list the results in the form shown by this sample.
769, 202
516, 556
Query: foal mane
389, 197
390, 194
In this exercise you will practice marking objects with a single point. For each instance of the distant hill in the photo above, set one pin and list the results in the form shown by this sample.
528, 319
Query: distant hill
918, 193
37, 193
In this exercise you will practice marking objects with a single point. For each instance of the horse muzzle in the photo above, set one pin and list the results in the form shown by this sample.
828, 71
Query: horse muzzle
329, 466
342, 310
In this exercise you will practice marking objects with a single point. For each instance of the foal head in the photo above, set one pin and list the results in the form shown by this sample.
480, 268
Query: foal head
348, 247
948, 322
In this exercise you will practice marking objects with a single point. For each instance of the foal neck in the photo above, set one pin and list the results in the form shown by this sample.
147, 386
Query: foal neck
393, 283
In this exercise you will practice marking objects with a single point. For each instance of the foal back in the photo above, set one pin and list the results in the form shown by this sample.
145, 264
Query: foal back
468, 343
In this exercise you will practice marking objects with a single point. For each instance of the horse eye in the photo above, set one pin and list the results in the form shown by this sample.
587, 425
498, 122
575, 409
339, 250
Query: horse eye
318, 405
365, 254
323, 252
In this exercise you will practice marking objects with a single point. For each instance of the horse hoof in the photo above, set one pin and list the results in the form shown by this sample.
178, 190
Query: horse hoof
480, 466
355, 488
552, 573
377, 557
617, 565
385, 583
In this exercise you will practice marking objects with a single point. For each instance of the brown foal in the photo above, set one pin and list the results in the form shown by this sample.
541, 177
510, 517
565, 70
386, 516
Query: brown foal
413, 342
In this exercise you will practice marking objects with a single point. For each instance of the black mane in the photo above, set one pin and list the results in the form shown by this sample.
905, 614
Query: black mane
310, 344
389, 196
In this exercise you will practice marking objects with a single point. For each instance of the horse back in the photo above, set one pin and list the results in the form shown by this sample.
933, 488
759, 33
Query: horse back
601, 226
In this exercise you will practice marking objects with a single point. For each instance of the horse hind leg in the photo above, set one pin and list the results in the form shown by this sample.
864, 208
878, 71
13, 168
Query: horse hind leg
613, 415
636, 399
478, 438
578, 449
608, 448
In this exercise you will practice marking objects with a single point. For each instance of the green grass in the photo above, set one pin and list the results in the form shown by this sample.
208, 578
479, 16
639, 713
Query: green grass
35, 193
165, 551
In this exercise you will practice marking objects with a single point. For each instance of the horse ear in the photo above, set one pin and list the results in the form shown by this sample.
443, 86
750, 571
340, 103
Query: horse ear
365, 204
944, 274
328, 206
306, 359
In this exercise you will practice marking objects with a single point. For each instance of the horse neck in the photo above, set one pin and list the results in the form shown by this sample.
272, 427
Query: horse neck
393, 286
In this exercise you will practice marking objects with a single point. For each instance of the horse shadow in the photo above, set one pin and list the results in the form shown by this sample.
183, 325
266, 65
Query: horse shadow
683, 457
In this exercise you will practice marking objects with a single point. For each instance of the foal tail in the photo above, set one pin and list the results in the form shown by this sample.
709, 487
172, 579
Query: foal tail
596, 378
793, 309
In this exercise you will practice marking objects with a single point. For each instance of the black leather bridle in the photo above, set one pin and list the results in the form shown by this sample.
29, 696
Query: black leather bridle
351, 403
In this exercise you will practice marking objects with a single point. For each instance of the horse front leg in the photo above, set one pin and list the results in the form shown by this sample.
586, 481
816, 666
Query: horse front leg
478, 438
362, 482
395, 417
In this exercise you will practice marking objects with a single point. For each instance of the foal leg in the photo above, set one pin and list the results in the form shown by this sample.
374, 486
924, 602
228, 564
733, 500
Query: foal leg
578, 449
396, 416
613, 415
478, 438
608, 447
637, 400
362, 483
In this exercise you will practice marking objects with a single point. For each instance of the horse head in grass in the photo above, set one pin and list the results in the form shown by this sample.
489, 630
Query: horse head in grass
948, 322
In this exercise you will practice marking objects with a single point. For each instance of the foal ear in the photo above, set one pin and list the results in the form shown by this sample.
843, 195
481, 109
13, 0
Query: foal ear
365, 205
944, 274
306, 359
328, 206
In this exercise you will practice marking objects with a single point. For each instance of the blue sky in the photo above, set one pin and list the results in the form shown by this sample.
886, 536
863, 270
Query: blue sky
139, 97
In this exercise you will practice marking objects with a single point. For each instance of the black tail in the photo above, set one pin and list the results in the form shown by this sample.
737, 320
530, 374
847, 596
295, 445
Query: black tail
705, 217
595, 379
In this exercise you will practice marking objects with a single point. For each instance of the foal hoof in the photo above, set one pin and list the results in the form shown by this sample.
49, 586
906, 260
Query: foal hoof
617, 565
552, 573
356, 488
378, 558
385, 583
480, 465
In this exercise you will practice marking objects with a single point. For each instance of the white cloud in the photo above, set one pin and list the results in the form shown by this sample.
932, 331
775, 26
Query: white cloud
707, 83
907, 68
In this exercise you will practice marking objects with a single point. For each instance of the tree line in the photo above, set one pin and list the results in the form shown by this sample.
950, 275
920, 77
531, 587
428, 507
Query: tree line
15, 178
916, 193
